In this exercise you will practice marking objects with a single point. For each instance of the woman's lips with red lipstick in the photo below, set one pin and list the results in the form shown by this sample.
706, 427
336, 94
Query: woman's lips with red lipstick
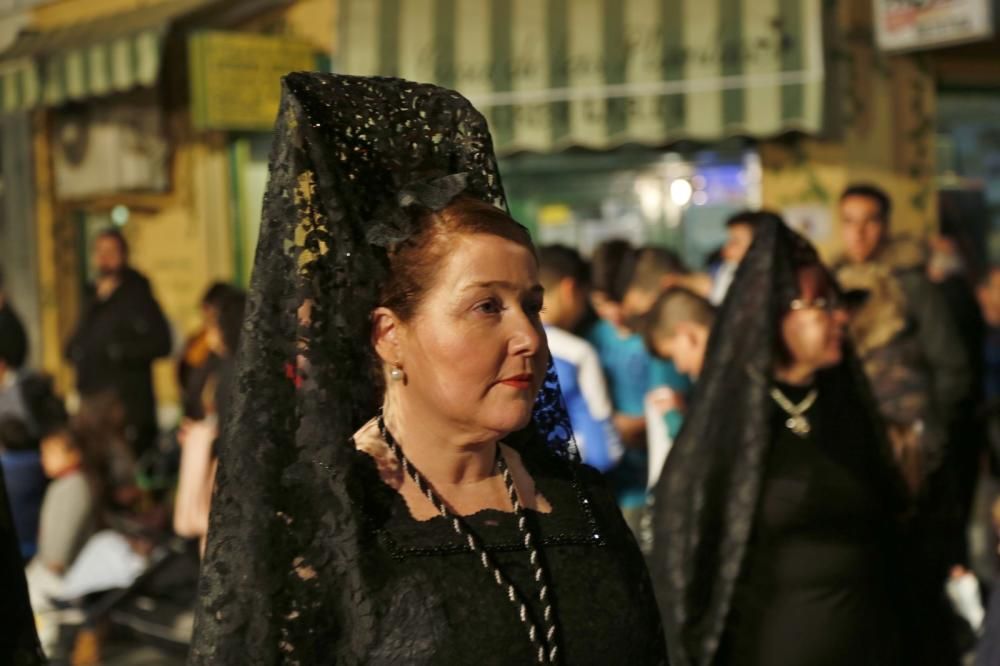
522, 381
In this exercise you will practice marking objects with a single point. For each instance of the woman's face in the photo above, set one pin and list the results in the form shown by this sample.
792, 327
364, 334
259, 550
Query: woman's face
474, 354
813, 330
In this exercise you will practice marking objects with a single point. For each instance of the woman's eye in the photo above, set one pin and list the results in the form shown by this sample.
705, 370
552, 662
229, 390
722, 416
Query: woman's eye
489, 307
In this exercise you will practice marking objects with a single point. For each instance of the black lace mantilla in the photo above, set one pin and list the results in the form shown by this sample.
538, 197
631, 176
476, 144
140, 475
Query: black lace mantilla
706, 499
293, 571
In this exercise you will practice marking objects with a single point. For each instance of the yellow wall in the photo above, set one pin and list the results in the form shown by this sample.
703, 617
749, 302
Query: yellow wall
886, 137
180, 240
186, 245
52, 15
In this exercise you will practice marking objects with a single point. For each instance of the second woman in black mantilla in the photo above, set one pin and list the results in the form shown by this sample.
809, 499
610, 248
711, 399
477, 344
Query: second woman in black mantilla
777, 515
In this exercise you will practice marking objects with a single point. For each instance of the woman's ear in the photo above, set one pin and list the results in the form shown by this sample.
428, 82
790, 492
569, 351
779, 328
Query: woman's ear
386, 329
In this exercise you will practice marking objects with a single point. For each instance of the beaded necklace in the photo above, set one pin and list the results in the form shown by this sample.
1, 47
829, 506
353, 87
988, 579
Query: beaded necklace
546, 649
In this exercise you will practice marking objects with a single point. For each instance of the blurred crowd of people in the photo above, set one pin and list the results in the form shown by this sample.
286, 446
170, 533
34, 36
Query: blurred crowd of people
630, 331
96, 494
101, 495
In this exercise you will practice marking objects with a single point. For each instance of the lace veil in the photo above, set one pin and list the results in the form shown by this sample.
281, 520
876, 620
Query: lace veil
285, 576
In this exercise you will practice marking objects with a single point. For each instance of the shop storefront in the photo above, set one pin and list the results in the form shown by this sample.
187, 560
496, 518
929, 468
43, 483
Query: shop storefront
151, 118
633, 119
648, 196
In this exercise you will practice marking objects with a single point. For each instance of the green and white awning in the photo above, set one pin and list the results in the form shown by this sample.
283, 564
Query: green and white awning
20, 85
108, 55
600, 73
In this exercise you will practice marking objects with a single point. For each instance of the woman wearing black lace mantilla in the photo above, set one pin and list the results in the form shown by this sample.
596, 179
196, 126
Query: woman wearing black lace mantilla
777, 520
397, 483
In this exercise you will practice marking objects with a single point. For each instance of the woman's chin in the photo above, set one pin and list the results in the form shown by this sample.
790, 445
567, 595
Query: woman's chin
516, 418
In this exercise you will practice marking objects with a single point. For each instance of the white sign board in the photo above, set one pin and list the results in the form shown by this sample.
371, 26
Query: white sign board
909, 25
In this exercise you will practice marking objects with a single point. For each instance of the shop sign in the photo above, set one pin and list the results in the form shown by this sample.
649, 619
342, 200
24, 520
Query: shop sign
909, 25
109, 148
236, 77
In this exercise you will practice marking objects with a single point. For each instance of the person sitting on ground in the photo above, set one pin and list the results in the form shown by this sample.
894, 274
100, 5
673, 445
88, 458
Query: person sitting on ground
68, 516
68, 519
564, 275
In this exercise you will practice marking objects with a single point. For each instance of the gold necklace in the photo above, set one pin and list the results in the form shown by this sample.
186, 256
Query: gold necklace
796, 421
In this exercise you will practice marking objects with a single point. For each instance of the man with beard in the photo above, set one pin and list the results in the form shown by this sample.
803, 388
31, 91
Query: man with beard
121, 332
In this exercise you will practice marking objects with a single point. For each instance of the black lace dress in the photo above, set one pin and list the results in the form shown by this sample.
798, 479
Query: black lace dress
437, 605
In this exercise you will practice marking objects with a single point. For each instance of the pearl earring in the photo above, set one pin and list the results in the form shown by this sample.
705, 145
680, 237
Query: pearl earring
396, 374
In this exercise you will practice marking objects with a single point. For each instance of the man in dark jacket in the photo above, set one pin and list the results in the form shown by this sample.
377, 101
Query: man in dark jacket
864, 214
121, 332
936, 537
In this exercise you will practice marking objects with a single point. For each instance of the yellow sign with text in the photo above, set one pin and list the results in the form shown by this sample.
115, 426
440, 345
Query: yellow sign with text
236, 77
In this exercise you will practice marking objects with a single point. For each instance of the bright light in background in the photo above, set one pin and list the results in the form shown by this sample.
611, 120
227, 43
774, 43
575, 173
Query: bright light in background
680, 192
119, 215
650, 198
699, 198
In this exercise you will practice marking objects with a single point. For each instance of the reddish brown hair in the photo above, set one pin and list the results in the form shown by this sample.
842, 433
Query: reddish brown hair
413, 264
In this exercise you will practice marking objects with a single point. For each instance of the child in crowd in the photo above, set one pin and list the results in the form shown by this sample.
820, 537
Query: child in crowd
564, 275
677, 328
630, 370
68, 519
68, 515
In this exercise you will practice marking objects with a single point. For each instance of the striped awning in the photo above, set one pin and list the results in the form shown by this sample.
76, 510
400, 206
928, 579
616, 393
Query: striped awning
107, 55
600, 73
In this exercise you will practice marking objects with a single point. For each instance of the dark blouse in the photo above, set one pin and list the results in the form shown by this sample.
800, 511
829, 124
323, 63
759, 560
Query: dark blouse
438, 605
814, 586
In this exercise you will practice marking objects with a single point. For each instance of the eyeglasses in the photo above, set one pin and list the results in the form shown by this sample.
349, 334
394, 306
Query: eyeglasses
828, 304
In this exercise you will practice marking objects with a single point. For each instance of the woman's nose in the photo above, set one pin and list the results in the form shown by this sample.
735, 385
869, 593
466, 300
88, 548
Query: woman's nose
527, 337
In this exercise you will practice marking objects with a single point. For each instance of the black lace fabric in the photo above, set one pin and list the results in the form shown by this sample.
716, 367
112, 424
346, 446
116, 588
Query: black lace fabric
308, 560
705, 502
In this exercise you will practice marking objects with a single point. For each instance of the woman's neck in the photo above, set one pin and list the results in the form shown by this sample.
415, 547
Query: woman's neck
795, 374
444, 454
